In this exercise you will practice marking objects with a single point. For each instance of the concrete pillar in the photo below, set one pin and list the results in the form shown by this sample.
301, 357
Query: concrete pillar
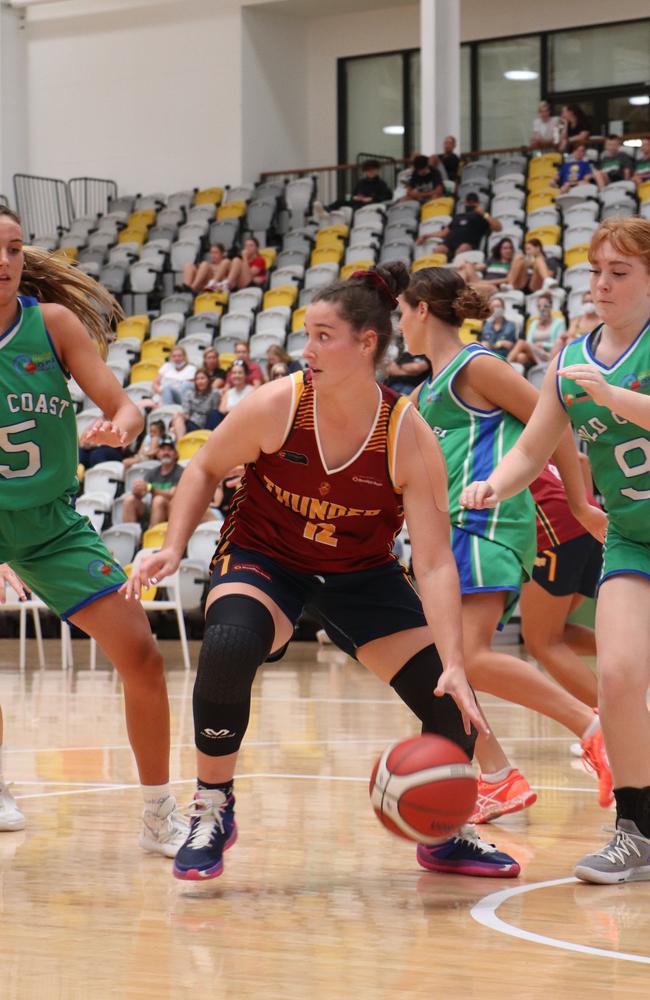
440, 72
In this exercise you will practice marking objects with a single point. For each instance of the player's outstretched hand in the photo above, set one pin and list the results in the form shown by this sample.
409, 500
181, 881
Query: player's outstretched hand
150, 570
453, 681
591, 380
593, 520
104, 432
7, 576
478, 495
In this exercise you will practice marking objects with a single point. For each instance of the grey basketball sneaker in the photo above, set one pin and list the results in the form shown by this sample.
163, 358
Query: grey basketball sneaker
625, 859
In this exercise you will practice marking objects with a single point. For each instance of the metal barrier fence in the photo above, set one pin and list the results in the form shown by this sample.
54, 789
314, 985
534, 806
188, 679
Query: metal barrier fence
4, 200
43, 204
90, 195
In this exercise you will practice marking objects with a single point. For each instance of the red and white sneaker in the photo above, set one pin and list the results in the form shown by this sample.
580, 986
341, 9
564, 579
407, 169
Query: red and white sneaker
594, 757
508, 796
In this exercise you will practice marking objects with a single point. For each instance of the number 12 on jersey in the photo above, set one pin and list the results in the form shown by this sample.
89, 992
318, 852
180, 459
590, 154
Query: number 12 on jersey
321, 532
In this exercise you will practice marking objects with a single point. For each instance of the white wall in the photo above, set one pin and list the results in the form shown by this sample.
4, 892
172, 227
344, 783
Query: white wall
13, 99
494, 18
148, 95
274, 98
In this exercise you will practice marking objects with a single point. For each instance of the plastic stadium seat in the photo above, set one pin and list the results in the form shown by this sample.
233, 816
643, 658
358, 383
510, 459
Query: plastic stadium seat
293, 258
232, 210
324, 237
286, 295
224, 231
204, 322
209, 302
122, 541
643, 192
539, 164
133, 326
120, 369
475, 173
96, 507
547, 235
470, 330
432, 260
260, 215
578, 254
295, 343
143, 371
184, 252
169, 325
328, 255
357, 265
269, 254
548, 216
225, 346
154, 538
247, 300
236, 325
585, 212
144, 217
275, 320
437, 206
208, 196
541, 185
190, 443
113, 278
143, 275
396, 251
155, 352
288, 275
618, 209
298, 194
321, 274
575, 235
535, 201
260, 343
137, 391
356, 253
203, 541
298, 319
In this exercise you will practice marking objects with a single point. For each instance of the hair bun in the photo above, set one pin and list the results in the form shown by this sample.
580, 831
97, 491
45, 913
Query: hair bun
470, 304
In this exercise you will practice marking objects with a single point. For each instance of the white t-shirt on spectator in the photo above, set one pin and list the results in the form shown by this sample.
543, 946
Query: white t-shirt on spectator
236, 395
170, 373
548, 131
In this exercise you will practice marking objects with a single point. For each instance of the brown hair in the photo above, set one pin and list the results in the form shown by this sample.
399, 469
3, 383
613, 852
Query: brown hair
447, 295
50, 277
630, 237
202, 371
367, 299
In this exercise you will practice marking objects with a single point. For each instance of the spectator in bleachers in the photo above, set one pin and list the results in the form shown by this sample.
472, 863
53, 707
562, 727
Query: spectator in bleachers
532, 270
614, 164
583, 323
575, 127
238, 387
543, 331
370, 189
406, 372
546, 129
159, 483
209, 273
498, 271
212, 365
466, 230
200, 407
278, 371
642, 165
277, 355
254, 373
424, 183
576, 170
247, 268
449, 158
149, 444
174, 378
498, 333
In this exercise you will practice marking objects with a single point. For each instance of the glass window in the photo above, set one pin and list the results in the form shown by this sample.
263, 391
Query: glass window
465, 98
599, 57
375, 104
508, 87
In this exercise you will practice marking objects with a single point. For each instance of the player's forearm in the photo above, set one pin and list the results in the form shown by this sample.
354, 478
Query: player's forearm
516, 470
128, 418
191, 500
632, 406
566, 458
440, 595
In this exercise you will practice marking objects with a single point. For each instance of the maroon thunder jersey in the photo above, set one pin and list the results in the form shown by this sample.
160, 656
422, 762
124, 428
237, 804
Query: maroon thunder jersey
313, 519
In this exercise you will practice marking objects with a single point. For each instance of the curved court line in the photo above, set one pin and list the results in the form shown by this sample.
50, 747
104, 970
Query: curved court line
484, 912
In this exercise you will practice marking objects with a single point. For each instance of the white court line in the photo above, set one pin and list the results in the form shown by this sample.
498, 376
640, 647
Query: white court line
484, 912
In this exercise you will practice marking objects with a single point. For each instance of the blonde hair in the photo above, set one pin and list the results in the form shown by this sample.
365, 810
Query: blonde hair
52, 278
630, 237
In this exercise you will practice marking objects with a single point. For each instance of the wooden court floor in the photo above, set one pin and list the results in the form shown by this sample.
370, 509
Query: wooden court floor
318, 901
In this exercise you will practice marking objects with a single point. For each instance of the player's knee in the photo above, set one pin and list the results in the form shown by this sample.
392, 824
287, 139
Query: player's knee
415, 684
238, 637
617, 684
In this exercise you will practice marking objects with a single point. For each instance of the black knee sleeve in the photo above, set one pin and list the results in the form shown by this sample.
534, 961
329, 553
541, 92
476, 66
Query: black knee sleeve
238, 637
415, 684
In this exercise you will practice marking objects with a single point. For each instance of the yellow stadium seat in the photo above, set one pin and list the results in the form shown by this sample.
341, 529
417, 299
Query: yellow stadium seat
146, 593
232, 210
283, 295
226, 358
209, 196
541, 166
298, 319
579, 254
325, 239
547, 235
431, 260
143, 371
542, 185
469, 332
328, 255
133, 235
339, 231
190, 443
643, 192
208, 302
133, 326
269, 254
359, 265
154, 352
437, 206
541, 199
70, 253
154, 538
143, 217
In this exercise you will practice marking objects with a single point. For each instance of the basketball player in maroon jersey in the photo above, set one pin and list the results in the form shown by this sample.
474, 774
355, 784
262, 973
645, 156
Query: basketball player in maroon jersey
333, 461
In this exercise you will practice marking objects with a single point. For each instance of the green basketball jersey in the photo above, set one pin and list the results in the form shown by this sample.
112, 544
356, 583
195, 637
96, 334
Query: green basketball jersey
619, 451
473, 442
38, 430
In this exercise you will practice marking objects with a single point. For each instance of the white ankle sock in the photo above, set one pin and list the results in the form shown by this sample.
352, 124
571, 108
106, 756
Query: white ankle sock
153, 795
497, 776
592, 728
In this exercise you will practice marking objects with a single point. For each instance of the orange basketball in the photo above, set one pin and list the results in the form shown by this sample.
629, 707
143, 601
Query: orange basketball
423, 788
